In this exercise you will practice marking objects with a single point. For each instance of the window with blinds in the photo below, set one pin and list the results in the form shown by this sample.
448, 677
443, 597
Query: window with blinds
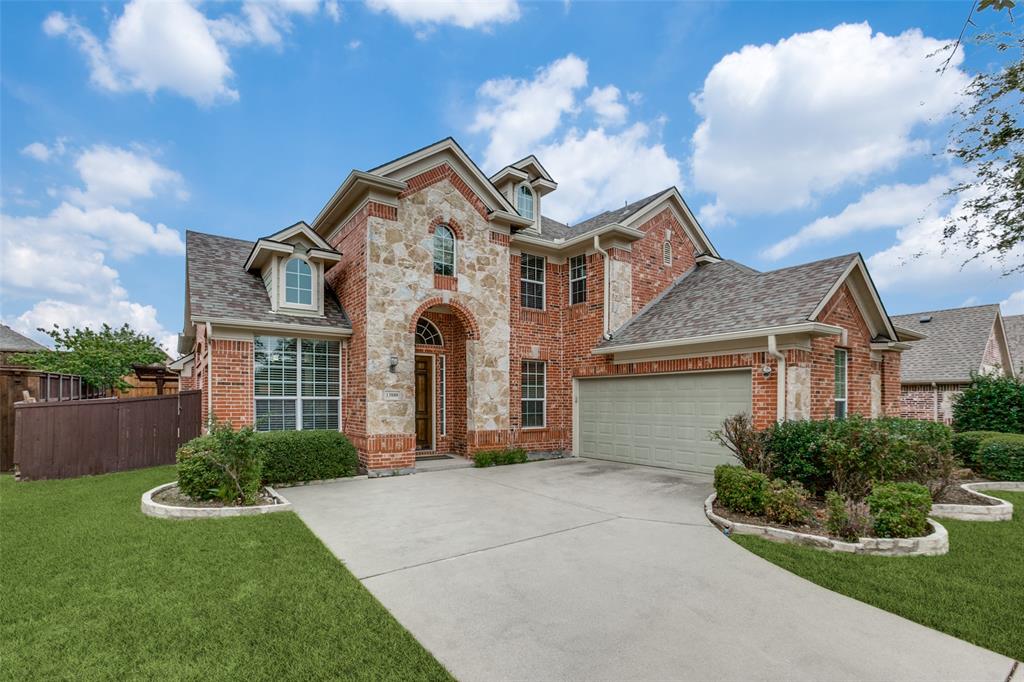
297, 384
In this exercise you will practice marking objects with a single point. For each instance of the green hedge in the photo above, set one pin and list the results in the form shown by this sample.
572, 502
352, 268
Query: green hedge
197, 476
1001, 457
900, 510
966, 444
990, 404
490, 458
797, 454
295, 456
741, 490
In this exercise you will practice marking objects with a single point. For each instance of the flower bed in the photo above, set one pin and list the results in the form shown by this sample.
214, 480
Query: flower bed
168, 502
979, 506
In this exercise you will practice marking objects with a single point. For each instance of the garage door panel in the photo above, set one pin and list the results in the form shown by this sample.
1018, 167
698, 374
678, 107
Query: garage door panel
663, 420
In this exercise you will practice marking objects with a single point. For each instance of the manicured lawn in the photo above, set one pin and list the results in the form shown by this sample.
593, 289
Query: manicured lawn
92, 589
976, 592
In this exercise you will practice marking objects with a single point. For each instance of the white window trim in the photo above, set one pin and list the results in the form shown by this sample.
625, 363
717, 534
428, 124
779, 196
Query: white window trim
455, 249
577, 279
543, 282
298, 398
314, 276
846, 382
543, 400
443, 386
533, 196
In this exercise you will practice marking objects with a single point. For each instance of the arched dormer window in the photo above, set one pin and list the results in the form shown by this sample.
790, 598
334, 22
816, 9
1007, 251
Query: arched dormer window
524, 201
298, 282
444, 251
427, 334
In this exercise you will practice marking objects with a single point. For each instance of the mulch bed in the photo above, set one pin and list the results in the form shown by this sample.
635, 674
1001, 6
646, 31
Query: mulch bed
815, 524
954, 494
173, 497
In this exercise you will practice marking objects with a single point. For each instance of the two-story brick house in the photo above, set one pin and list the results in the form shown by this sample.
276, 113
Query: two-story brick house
429, 308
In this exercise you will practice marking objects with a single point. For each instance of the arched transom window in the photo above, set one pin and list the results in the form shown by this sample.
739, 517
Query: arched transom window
427, 334
524, 201
298, 282
444, 251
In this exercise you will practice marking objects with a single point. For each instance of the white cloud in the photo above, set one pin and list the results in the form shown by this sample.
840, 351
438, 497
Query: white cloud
142, 318
885, 207
355, 44
116, 177
461, 13
40, 152
1013, 304
172, 45
333, 10
596, 169
607, 104
787, 122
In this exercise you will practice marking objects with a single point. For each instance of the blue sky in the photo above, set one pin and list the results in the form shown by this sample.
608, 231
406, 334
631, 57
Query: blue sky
796, 131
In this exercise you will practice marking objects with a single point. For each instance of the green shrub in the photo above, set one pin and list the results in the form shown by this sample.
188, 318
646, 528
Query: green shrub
900, 510
786, 503
845, 519
966, 444
925, 449
990, 404
797, 454
741, 490
224, 465
1001, 457
294, 456
198, 477
490, 458
746, 443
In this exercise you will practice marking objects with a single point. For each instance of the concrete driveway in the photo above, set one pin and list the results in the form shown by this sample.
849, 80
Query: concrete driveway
580, 569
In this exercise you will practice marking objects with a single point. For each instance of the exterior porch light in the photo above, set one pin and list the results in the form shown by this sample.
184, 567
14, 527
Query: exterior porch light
393, 364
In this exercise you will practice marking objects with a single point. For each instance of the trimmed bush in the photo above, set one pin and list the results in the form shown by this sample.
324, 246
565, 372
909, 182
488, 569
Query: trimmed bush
197, 476
966, 444
490, 458
295, 456
786, 503
900, 510
797, 454
845, 519
1001, 457
223, 465
741, 490
990, 404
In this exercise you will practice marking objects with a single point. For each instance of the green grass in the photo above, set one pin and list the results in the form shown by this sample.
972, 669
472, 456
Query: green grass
90, 588
975, 592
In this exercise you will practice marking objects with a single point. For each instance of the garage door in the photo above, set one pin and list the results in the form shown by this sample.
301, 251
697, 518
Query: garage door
660, 420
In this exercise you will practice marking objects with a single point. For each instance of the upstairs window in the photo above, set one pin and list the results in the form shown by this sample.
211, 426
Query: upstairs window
577, 279
524, 201
531, 281
298, 282
444, 251
841, 362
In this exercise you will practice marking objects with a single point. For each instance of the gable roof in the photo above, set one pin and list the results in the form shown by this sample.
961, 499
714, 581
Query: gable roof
953, 347
556, 230
218, 287
1014, 326
11, 340
727, 297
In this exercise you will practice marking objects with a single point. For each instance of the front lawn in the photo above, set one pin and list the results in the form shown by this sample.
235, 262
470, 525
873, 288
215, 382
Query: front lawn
975, 592
92, 589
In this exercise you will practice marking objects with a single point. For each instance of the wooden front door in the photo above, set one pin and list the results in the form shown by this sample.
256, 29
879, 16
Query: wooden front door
424, 403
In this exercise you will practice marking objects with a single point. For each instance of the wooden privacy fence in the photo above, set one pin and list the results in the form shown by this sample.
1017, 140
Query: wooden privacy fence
83, 437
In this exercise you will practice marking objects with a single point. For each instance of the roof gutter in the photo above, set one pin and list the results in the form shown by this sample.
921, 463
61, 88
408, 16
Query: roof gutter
780, 381
812, 328
559, 246
607, 286
271, 326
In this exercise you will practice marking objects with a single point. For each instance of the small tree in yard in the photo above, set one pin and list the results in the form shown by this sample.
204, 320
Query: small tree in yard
102, 358
990, 404
746, 442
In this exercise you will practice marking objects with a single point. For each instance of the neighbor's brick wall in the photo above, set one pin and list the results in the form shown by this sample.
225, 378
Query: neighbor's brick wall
992, 358
923, 401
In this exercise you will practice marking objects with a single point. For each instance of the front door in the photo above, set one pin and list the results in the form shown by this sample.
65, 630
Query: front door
424, 403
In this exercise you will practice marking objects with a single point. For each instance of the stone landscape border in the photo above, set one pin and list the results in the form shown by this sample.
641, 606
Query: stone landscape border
934, 544
1003, 511
165, 511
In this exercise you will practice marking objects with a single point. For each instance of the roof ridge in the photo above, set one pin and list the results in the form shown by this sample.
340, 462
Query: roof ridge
221, 236
946, 310
847, 257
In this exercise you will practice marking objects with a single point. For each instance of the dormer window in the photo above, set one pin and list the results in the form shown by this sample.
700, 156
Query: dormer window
298, 283
524, 201
444, 251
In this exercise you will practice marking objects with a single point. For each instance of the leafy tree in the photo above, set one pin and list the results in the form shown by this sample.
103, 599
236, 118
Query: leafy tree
988, 140
990, 403
101, 357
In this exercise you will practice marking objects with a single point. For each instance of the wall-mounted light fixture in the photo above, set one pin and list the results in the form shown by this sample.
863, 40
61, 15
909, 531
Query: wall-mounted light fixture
766, 371
393, 364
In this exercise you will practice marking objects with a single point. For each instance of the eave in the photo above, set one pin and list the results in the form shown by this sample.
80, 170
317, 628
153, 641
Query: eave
257, 325
562, 246
351, 190
808, 328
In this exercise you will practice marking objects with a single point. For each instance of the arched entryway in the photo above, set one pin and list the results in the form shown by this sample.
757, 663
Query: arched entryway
440, 395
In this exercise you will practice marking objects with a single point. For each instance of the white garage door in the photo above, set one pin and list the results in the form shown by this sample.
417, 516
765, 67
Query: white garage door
660, 420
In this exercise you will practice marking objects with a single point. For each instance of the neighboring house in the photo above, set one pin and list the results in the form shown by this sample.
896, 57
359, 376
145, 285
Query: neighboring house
12, 343
957, 344
429, 308
1014, 326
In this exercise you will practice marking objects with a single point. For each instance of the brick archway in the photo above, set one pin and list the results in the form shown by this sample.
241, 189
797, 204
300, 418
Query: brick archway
451, 223
460, 311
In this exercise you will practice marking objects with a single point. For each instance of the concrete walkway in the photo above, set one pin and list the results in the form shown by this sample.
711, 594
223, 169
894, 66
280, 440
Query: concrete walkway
582, 570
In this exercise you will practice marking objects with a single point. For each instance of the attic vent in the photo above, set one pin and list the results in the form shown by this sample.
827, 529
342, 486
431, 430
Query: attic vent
925, 318
666, 253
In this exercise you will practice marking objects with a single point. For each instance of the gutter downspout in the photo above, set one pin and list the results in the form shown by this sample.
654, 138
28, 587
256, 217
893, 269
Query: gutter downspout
780, 382
209, 376
606, 306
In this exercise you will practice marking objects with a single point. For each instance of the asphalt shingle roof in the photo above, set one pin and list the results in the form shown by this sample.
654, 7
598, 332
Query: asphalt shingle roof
552, 229
1014, 326
725, 297
953, 347
220, 287
11, 340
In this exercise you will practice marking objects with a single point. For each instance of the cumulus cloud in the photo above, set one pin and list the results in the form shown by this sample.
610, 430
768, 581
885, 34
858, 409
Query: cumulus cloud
1013, 304
174, 46
550, 115
461, 13
885, 207
116, 177
41, 152
784, 123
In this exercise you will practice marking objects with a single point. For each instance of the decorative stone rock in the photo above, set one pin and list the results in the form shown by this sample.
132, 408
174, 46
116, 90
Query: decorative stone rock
164, 511
934, 544
1003, 511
